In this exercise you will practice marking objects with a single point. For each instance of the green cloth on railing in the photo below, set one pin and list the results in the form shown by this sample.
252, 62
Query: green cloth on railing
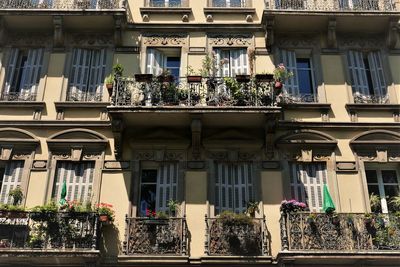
63, 201
328, 206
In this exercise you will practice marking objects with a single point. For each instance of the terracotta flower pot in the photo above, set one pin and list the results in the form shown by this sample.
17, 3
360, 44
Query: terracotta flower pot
103, 218
278, 85
194, 79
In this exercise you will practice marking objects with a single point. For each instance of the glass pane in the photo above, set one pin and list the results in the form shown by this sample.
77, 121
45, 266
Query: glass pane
303, 63
391, 191
236, 3
157, 3
305, 80
389, 177
219, 3
147, 199
149, 176
373, 189
371, 176
174, 3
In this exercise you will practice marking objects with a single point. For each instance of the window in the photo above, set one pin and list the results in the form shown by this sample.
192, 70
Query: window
234, 186
229, 3
301, 86
158, 185
306, 183
383, 183
159, 60
23, 74
359, 4
231, 62
87, 74
11, 178
165, 3
79, 180
366, 74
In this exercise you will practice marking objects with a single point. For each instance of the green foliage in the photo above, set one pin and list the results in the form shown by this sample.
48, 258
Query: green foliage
50, 207
375, 203
109, 79
106, 209
161, 215
7, 207
208, 65
231, 218
118, 69
252, 207
395, 203
281, 73
173, 205
17, 195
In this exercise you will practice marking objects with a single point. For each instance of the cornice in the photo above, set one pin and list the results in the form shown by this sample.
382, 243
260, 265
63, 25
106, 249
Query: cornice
195, 27
351, 126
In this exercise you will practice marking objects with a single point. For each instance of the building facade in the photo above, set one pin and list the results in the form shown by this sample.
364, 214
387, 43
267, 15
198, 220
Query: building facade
193, 127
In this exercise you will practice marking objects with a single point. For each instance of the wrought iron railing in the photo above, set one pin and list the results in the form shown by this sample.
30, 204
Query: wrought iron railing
340, 232
211, 91
48, 231
167, 3
147, 236
79, 96
370, 99
18, 96
230, 3
62, 4
240, 239
333, 5
298, 98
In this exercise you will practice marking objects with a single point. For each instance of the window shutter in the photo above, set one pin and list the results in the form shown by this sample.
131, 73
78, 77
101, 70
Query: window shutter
97, 70
377, 74
357, 71
79, 72
238, 62
32, 70
223, 69
288, 58
155, 61
242, 185
11, 179
167, 185
12, 63
224, 187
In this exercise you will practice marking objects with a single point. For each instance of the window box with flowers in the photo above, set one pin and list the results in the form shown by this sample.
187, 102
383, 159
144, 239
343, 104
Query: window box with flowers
106, 213
281, 74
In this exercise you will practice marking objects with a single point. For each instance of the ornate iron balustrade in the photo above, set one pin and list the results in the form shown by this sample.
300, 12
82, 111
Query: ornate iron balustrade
79, 96
333, 5
47, 231
211, 91
370, 99
342, 232
228, 239
18, 96
145, 236
62, 4
230, 3
167, 3
298, 98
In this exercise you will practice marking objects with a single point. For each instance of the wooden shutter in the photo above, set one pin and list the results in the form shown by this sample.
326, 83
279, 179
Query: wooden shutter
32, 70
11, 179
79, 180
357, 71
12, 63
223, 70
156, 62
167, 185
288, 58
243, 186
79, 75
97, 70
238, 61
306, 182
223, 190
377, 74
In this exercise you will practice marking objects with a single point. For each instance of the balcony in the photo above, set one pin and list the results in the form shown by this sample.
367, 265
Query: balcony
79, 96
237, 237
60, 4
147, 236
370, 99
298, 98
18, 96
54, 231
342, 232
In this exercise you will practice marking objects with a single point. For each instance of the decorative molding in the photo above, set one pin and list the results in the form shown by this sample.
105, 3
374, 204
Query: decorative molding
269, 33
39, 165
118, 30
164, 39
117, 165
218, 155
21, 155
160, 155
220, 39
297, 41
346, 166
58, 37
393, 33
332, 40
90, 39
360, 42
196, 138
127, 49
196, 165
21, 39
6, 153
271, 165
117, 127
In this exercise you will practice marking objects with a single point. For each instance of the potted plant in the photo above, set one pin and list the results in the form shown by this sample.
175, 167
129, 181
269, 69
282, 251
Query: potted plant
106, 213
242, 78
252, 208
375, 203
193, 77
264, 77
118, 69
281, 74
292, 205
45, 212
109, 82
173, 207
165, 77
311, 218
229, 218
144, 78
17, 195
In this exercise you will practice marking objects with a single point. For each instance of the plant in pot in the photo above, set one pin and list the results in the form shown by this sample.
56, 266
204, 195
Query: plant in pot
281, 74
229, 218
109, 82
192, 76
394, 204
45, 212
173, 207
252, 208
375, 203
165, 77
311, 218
106, 213
118, 69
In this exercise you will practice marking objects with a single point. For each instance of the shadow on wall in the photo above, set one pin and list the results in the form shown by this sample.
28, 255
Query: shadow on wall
110, 244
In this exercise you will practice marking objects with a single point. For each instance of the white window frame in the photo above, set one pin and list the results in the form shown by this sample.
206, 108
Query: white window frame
243, 3
166, 3
11, 180
238, 61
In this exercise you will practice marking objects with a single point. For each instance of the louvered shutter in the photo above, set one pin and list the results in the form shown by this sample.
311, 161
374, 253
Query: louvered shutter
79, 180
79, 76
167, 185
97, 71
377, 74
12, 63
243, 186
357, 71
31, 73
288, 58
11, 179
223, 70
155, 62
239, 62
224, 188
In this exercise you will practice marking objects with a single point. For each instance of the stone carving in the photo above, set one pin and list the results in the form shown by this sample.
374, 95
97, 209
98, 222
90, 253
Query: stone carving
218, 155
39, 164
354, 41
29, 39
297, 41
163, 39
82, 39
230, 39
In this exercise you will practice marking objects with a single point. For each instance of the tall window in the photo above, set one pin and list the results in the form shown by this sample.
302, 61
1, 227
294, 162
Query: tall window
87, 74
23, 74
302, 83
79, 180
383, 183
165, 3
306, 183
229, 3
159, 60
234, 186
232, 62
366, 73
11, 177
158, 186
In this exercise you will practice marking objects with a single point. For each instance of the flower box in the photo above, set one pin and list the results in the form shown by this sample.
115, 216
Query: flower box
194, 79
264, 77
144, 78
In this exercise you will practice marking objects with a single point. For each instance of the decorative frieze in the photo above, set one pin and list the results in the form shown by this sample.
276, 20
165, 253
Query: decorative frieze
221, 39
24, 39
39, 164
297, 41
86, 39
360, 42
165, 39
160, 155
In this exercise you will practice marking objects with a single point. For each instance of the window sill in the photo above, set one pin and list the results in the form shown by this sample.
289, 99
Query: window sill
165, 10
78, 104
229, 10
372, 107
22, 104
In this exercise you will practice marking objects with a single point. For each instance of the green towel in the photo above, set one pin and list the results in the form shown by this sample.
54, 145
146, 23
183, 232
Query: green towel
63, 201
328, 206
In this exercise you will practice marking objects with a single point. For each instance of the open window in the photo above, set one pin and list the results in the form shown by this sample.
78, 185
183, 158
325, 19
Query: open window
10, 178
230, 3
232, 61
165, 3
161, 60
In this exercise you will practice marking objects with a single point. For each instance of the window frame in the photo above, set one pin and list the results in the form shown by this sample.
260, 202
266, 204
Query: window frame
163, 56
220, 69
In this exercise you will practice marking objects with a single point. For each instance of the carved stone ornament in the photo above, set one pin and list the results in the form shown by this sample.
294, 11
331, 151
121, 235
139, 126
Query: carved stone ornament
354, 41
30, 39
296, 41
230, 39
82, 39
21, 155
394, 156
218, 155
247, 156
160, 155
40, 164
165, 39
